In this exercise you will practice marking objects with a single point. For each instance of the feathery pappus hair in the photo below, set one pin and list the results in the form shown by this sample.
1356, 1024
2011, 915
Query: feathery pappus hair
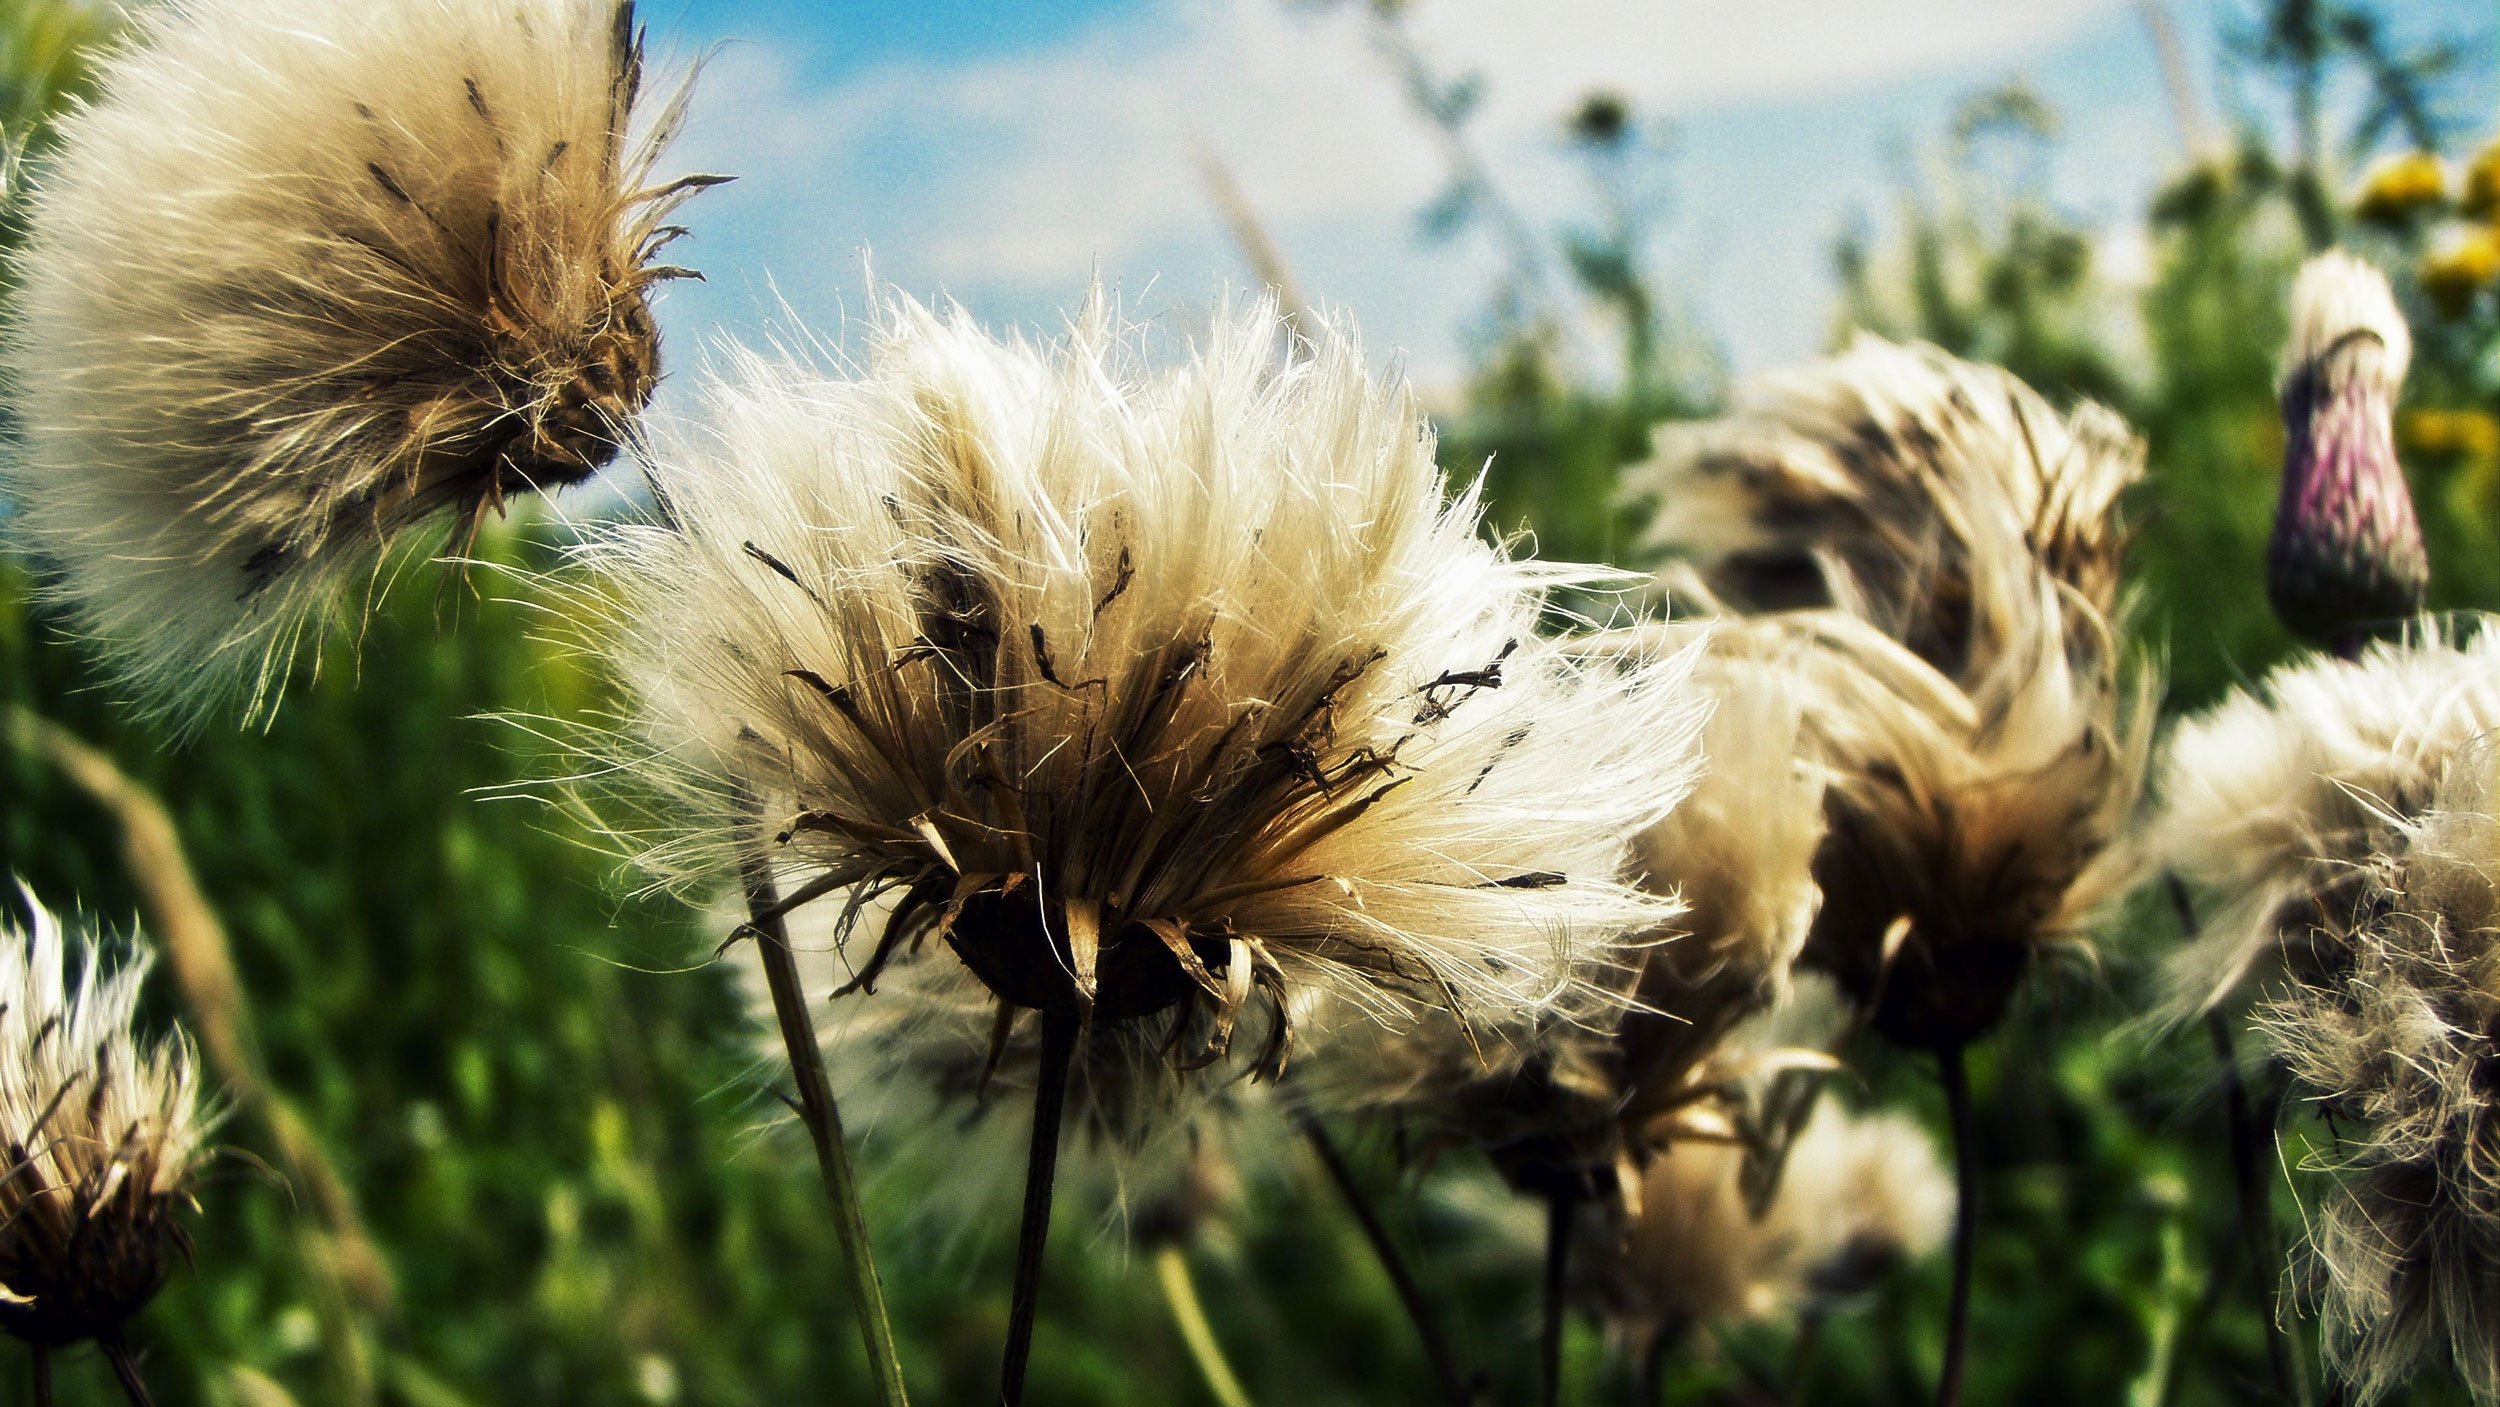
306, 278
1580, 1102
1149, 693
101, 1134
2346, 554
2398, 1049
1947, 548
1862, 1196
2272, 801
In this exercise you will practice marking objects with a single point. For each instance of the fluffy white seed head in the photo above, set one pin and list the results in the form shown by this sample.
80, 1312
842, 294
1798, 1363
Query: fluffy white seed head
304, 279
1144, 690
1862, 1195
1947, 550
2343, 309
100, 1136
2399, 1046
2272, 801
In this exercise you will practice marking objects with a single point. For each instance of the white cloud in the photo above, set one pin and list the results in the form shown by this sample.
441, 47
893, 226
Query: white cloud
1008, 179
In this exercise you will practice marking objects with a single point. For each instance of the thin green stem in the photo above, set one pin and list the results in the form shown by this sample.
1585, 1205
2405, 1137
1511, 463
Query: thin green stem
824, 1124
126, 1368
2258, 1239
1060, 1028
1949, 1067
1410, 1292
1180, 1294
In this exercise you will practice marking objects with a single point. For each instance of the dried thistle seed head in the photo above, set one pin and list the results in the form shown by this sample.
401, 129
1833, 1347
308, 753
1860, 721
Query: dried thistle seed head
1861, 1196
1955, 546
2346, 554
306, 278
1140, 689
1893, 481
2400, 1048
100, 1136
2272, 801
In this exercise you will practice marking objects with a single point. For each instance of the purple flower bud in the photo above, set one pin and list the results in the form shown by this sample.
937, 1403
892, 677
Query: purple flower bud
2347, 550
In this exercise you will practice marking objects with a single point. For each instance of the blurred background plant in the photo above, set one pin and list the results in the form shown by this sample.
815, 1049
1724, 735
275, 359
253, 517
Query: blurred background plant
548, 1104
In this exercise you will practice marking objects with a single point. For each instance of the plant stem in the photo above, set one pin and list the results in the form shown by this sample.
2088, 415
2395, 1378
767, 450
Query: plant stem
1664, 1340
1410, 1294
1949, 1067
2257, 1235
1041, 1176
1801, 1365
1180, 1294
43, 1374
1560, 1204
824, 1124
126, 1368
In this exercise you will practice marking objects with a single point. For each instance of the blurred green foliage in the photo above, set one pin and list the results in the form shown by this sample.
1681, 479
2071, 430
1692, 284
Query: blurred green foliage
553, 1105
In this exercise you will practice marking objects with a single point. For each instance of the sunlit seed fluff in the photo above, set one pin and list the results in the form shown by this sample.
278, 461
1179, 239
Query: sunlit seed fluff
307, 278
2401, 1050
1862, 1195
2346, 555
1952, 548
2272, 801
100, 1139
1144, 691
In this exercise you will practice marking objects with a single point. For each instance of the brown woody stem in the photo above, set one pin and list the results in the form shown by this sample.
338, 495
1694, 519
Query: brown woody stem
1060, 1027
1401, 1277
126, 1368
1956, 1079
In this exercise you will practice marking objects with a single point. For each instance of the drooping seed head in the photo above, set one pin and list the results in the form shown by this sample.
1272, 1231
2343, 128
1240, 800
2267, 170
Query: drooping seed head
2346, 554
306, 278
1945, 548
100, 1137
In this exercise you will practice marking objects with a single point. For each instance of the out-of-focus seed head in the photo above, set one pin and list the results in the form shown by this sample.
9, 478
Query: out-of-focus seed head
306, 278
2347, 554
2272, 801
100, 1137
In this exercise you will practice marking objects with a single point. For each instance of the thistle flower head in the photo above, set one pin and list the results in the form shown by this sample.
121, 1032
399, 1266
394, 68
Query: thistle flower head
2347, 551
1949, 549
2401, 1049
1151, 695
305, 278
2272, 802
1861, 1196
100, 1135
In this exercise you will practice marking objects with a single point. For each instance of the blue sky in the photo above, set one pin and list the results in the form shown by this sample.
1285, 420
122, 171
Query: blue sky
1004, 154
